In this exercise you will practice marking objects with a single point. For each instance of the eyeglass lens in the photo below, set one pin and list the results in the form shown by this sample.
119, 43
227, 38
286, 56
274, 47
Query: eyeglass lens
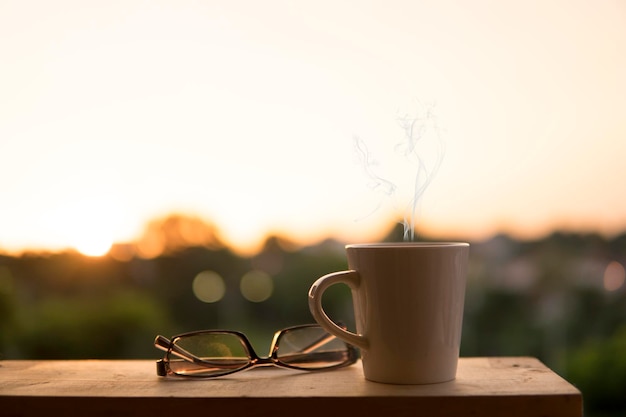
212, 354
311, 348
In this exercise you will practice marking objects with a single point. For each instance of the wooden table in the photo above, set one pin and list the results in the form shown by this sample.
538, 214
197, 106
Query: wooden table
484, 387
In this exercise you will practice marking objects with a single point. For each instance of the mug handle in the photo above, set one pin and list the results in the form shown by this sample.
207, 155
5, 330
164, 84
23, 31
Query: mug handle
351, 279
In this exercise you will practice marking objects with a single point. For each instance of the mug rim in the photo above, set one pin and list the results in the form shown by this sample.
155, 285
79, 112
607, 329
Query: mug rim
390, 245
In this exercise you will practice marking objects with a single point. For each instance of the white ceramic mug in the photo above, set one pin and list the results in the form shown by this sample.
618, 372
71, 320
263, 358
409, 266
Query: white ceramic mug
408, 302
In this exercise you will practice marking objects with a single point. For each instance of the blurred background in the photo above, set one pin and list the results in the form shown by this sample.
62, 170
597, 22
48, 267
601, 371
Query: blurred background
172, 166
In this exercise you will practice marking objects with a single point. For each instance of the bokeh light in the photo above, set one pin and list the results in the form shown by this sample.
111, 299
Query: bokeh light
256, 286
614, 276
209, 287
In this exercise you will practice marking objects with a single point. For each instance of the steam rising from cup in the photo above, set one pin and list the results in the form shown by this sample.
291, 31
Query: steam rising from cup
421, 148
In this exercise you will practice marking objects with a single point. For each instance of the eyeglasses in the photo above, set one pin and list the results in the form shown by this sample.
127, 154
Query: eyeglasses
213, 353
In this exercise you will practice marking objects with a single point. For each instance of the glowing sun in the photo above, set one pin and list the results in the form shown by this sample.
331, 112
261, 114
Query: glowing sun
87, 225
93, 245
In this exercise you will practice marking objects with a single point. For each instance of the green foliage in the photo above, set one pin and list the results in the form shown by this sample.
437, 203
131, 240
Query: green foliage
598, 369
119, 326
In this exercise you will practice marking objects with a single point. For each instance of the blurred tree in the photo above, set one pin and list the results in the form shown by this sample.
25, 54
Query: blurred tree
122, 326
598, 369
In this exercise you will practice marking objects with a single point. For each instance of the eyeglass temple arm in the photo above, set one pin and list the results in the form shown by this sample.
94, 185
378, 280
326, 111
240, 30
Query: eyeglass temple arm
322, 340
164, 344
319, 342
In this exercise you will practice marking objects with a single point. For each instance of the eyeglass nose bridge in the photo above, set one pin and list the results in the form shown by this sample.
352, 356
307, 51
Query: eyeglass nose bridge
259, 361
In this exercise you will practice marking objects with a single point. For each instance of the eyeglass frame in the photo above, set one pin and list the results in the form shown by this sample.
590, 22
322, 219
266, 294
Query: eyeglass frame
254, 360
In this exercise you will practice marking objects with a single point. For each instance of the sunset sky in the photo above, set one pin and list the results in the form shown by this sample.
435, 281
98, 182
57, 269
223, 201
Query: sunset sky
247, 114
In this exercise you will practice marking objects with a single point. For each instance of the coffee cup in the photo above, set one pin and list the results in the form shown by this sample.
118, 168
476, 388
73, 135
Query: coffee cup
408, 301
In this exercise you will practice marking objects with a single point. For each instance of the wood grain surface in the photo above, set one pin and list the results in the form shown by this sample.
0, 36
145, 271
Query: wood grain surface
511, 387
